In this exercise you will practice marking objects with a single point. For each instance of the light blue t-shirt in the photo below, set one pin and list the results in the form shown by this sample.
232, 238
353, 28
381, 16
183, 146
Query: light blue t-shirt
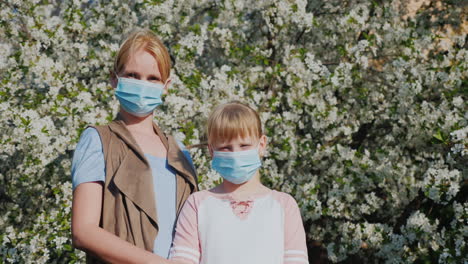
88, 165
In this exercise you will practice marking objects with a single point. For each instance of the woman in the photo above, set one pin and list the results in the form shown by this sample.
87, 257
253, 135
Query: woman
130, 180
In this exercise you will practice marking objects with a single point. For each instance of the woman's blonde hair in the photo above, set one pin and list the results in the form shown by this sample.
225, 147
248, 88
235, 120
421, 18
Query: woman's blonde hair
144, 39
232, 120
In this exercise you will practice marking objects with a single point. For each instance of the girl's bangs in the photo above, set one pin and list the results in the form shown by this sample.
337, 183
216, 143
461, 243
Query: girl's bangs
232, 126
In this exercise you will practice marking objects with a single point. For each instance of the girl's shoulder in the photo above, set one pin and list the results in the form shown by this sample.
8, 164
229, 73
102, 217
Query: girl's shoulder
285, 199
197, 197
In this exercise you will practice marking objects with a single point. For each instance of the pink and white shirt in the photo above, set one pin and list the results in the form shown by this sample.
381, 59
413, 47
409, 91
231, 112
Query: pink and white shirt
217, 229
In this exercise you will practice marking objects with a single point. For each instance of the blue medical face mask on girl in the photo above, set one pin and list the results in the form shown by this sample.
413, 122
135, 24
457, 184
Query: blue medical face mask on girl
236, 167
138, 97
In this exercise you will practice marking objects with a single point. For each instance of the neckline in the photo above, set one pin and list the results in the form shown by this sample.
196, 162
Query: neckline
155, 157
232, 197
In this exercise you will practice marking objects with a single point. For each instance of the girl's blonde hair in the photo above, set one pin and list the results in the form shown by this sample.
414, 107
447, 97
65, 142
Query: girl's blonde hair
144, 39
232, 120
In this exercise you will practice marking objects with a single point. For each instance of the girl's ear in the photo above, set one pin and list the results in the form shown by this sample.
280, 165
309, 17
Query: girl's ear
210, 148
262, 145
167, 85
113, 79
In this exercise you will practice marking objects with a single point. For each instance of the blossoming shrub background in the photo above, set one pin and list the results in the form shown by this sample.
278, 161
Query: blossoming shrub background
364, 104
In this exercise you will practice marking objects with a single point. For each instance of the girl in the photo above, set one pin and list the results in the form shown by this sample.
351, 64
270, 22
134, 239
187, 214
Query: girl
239, 221
130, 180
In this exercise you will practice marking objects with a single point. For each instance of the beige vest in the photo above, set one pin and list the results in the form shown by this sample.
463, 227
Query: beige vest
129, 207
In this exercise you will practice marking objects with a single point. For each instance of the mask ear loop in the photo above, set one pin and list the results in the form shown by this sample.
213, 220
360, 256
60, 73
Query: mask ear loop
114, 73
166, 86
114, 79
260, 153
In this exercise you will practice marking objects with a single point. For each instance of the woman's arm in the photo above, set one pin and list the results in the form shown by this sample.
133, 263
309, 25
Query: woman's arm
88, 236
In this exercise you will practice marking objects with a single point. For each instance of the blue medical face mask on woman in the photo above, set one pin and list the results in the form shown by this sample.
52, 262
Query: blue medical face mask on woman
138, 97
236, 167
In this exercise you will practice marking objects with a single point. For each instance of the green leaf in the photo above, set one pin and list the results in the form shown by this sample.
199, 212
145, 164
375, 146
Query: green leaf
439, 136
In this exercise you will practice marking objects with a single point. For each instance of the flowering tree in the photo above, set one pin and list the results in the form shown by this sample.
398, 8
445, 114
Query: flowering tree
363, 102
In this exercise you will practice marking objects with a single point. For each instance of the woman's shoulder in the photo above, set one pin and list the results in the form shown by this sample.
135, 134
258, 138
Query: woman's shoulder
89, 133
186, 153
181, 145
88, 159
89, 139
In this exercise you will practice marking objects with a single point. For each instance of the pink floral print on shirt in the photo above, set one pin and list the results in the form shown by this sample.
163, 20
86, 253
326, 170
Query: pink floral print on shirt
242, 208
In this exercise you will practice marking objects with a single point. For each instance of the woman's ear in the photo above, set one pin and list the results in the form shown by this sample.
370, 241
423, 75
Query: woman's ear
166, 86
113, 79
262, 145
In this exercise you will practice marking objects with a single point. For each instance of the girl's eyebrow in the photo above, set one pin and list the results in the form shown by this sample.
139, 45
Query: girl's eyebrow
130, 72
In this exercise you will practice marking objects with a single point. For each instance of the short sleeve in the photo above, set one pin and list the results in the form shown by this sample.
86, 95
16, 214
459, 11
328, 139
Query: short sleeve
295, 247
186, 246
186, 153
88, 159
